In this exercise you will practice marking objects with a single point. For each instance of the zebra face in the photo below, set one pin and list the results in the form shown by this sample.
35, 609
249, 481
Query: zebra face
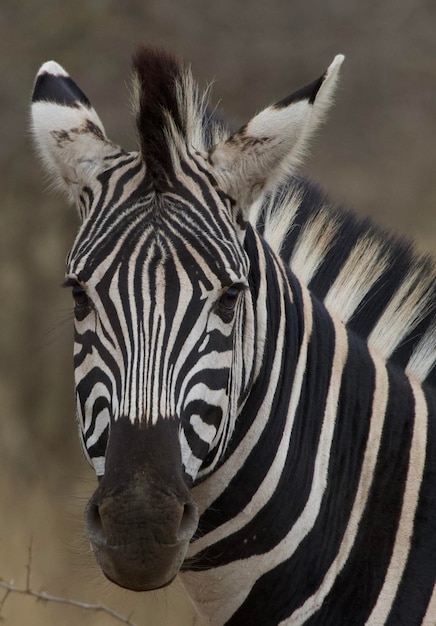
157, 298
165, 320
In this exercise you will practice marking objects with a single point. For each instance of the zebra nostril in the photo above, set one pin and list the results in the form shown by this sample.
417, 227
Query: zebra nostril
188, 522
93, 523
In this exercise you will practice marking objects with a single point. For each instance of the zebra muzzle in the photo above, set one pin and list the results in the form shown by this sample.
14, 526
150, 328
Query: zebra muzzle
141, 518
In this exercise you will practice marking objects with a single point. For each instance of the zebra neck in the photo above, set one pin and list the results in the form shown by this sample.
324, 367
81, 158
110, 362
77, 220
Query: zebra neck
308, 472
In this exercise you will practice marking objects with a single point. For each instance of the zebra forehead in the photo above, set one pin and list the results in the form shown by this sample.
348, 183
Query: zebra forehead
172, 246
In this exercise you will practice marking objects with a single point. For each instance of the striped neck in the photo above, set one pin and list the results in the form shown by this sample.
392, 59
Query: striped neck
293, 502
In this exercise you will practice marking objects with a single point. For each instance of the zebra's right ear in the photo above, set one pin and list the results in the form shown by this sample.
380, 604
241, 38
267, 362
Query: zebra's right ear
68, 133
272, 144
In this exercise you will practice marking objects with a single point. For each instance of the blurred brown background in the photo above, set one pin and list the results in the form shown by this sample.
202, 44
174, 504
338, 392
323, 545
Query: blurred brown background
375, 154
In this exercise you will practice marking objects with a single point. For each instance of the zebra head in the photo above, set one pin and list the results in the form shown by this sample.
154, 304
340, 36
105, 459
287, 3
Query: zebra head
165, 313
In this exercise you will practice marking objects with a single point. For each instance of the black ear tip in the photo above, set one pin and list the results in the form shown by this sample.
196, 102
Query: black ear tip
54, 85
308, 93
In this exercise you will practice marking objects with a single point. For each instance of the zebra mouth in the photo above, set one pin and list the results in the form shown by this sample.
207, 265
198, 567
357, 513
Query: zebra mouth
133, 578
134, 587
130, 552
136, 550
143, 568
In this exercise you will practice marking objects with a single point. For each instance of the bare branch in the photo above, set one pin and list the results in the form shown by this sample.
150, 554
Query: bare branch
46, 597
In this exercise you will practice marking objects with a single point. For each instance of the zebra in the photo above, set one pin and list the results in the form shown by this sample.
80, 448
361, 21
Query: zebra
255, 368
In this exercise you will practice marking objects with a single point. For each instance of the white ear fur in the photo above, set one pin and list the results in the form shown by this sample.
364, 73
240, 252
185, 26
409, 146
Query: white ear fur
274, 142
68, 133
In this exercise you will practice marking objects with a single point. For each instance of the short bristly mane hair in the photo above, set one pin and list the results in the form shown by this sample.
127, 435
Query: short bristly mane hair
376, 285
172, 115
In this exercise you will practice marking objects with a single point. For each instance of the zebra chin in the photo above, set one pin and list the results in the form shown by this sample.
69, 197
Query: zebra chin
141, 517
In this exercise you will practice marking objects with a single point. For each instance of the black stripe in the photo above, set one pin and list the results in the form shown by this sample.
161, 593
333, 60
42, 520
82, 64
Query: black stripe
241, 489
101, 216
419, 577
59, 90
260, 535
356, 588
309, 93
99, 447
358, 585
198, 447
265, 603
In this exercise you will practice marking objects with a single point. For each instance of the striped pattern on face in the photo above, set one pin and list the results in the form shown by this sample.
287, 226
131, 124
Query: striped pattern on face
156, 340
160, 248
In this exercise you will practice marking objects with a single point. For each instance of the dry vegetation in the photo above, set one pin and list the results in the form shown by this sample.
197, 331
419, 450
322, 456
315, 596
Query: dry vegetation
376, 154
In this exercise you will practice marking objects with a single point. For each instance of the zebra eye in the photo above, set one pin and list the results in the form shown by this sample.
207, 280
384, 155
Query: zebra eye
82, 302
228, 302
80, 296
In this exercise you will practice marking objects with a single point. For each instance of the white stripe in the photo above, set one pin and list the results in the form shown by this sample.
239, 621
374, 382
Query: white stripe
206, 432
269, 484
312, 245
279, 218
99, 390
98, 463
235, 580
365, 264
217, 483
406, 309
102, 421
191, 462
379, 404
423, 358
410, 502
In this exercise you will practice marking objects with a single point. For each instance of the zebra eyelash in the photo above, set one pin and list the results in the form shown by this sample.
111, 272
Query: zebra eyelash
82, 302
71, 282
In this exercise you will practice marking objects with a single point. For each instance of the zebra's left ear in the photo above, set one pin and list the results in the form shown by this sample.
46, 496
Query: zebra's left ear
68, 133
273, 143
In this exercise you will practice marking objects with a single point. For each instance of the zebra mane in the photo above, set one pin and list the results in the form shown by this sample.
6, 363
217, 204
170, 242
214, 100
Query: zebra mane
172, 116
377, 284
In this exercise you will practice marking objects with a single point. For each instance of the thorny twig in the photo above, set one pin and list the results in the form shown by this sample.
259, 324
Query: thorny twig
46, 597
11, 588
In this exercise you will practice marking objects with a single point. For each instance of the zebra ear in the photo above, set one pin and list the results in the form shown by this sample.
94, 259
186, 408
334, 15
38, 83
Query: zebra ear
68, 133
273, 143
